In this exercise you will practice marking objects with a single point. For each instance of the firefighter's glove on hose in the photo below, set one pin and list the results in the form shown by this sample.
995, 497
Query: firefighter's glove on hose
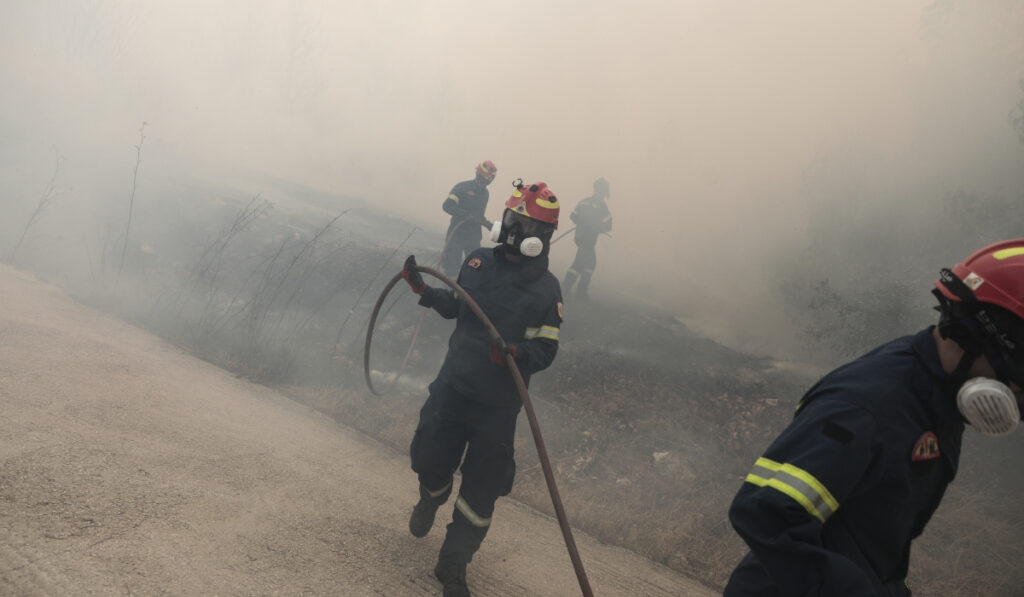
499, 350
412, 276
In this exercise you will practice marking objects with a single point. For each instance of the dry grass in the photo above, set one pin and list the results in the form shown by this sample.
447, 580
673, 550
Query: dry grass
652, 469
649, 427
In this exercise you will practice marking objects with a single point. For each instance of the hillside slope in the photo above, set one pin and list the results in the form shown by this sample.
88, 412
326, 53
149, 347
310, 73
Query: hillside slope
129, 467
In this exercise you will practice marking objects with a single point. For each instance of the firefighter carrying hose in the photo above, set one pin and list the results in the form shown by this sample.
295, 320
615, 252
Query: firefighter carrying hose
467, 203
592, 219
832, 506
473, 403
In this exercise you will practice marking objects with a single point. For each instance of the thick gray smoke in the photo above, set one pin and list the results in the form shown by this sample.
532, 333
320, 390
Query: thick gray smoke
736, 136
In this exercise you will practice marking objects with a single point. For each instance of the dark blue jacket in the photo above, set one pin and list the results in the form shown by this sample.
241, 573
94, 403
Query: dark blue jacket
592, 218
524, 302
831, 508
467, 200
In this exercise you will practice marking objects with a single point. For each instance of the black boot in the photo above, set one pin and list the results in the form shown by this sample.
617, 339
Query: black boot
423, 512
453, 577
570, 278
422, 517
583, 286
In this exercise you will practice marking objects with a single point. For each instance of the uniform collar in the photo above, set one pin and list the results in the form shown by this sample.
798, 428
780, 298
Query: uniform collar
923, 345
530, 268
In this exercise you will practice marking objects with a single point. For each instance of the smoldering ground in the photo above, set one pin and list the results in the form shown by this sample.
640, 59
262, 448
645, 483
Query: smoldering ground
785, 180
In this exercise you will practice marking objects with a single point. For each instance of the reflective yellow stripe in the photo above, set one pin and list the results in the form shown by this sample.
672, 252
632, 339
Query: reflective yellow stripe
545, 331
547, 204
454, 197
473, 517
439, 492
549, 332
797, 484
607, 219
1007, 253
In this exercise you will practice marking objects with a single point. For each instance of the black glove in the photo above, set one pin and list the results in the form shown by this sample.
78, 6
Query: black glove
412, 276
486, 223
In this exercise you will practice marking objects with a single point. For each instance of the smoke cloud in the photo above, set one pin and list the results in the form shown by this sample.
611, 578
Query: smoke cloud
724, 128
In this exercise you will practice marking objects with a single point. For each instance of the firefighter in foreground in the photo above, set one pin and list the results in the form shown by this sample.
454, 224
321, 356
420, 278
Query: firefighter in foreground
592, 219
467, 203
833, 505
473, 401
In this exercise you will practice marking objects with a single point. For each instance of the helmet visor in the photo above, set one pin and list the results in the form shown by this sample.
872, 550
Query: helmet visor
527, 226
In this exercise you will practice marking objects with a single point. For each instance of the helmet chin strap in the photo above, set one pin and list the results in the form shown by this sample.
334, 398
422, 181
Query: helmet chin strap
956, 326
963, 368
957, 330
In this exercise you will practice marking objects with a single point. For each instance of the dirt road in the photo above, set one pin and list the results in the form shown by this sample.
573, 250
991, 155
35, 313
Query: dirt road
130, 468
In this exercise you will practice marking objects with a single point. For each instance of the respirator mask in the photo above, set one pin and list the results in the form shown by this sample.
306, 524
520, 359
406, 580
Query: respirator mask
989, 406
521, 234
990, 331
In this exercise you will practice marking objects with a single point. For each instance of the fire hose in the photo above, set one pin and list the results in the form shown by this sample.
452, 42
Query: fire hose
538, 439
419, 322
562, 235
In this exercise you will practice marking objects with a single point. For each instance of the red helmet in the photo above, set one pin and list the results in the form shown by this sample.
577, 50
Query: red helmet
982, 305
487, 170
535, 201
993, 275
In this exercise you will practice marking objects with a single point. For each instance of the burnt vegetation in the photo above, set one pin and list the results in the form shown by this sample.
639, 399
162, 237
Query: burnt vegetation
651, 428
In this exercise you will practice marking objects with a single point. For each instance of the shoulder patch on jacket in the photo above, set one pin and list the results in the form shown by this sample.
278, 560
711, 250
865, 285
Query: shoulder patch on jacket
560, 310
474, 263
926, 448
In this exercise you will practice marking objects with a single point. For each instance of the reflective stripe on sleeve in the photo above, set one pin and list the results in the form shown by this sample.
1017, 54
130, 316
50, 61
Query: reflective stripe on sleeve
797, 484
545, 331
454, 197
473, 517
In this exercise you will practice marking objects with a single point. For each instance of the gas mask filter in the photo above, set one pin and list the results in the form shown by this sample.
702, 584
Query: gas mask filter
531, 246
989, 406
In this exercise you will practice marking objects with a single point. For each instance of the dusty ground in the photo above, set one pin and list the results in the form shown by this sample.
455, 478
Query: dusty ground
128, 467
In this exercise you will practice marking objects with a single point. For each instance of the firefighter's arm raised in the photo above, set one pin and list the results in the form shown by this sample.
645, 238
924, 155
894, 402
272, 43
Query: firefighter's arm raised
802, 479
443, 300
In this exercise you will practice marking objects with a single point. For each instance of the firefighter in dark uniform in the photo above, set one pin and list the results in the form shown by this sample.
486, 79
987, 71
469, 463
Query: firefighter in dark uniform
592, 219
474, 402
832, 506
466, 203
